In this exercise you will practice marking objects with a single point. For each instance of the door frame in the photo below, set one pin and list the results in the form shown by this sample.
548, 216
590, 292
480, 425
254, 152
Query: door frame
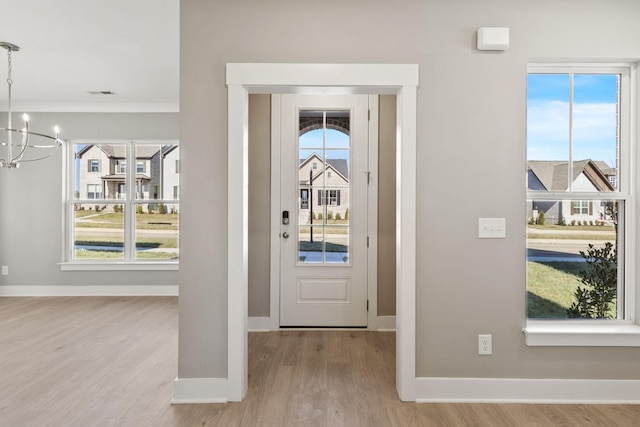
244, 78
372, 213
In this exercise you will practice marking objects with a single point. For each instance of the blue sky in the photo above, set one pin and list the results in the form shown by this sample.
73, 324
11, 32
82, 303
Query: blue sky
594, 117
337, 144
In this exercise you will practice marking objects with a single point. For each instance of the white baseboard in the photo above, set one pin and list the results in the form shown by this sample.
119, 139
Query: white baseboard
514, 390
81, 291
199, 390
386, 323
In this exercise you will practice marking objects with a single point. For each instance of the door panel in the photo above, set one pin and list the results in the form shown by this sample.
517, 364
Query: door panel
323, 182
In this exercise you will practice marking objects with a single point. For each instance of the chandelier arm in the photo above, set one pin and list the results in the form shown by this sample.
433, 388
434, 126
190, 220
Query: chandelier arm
23, 145
43, 157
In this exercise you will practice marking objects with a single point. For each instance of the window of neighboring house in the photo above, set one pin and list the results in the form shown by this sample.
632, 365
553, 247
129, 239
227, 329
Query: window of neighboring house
127, 228
581, 207
328, 174
578, 123
329, 197
304, 198
94, 191
314, 165
177, 165
94, 165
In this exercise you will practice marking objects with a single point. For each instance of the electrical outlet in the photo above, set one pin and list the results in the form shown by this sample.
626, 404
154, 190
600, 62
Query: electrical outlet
5, 270
484, 345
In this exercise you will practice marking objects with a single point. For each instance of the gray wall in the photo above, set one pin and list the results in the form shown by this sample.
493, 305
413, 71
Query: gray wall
30, 196
470, 158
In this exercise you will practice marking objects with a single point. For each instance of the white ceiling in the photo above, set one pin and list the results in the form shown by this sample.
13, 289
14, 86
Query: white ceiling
71, 47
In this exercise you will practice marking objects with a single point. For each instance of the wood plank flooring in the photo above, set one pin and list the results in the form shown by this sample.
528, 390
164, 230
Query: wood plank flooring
111, 361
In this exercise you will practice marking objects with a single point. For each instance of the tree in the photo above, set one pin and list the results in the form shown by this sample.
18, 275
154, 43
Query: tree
601, 279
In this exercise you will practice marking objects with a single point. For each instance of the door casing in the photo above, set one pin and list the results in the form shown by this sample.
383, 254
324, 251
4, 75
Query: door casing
243, 78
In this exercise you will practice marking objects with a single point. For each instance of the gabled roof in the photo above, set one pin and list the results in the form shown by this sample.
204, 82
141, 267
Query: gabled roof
339, 165
118, 151
553, 174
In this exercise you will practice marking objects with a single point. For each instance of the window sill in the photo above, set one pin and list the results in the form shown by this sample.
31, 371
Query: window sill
119, 266
570, 333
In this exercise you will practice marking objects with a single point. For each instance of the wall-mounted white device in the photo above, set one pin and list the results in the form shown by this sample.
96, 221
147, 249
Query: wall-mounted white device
493, 38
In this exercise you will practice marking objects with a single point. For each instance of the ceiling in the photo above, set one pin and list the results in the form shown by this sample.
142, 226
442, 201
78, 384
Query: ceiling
69, 48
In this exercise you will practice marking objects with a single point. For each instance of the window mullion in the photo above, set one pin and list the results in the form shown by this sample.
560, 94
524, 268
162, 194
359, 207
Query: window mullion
570, 164
129, 216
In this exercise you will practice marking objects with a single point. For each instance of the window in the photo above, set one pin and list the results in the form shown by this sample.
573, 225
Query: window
581, 207
177, 165
578, 196
94, 191
329, 197
314, 166
94, 165
113, 220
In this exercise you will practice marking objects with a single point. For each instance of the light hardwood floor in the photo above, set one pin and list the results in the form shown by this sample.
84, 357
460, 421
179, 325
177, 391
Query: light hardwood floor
98, 361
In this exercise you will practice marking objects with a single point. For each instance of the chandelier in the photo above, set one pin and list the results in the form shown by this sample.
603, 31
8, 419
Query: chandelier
23, 145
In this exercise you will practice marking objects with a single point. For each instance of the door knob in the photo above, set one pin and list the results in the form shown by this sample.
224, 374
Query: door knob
285, 235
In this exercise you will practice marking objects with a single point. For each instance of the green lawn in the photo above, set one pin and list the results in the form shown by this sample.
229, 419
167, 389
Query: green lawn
144, 221
550, 288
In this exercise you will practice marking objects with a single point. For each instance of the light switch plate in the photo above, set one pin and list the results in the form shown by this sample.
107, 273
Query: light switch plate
492, 228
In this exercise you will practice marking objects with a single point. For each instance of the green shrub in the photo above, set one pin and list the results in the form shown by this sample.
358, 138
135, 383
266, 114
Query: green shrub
561, 221
329, 215
573, 222
338, 216
601, 281
346, 214
319, 216
139, 209
541, 218
162, 209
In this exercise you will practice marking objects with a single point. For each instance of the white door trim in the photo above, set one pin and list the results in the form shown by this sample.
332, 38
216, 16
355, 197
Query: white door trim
401, 79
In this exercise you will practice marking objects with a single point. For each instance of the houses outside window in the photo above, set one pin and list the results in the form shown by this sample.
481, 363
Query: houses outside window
109, 216
579, 190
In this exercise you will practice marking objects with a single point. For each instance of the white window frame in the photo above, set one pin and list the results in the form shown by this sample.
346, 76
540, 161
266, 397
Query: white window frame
91, 163
602, 332
130, 203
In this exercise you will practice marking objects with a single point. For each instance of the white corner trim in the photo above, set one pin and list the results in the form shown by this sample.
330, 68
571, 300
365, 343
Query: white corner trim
199, 390
82, 291
259, 324
570, 334
516, 390
386, 323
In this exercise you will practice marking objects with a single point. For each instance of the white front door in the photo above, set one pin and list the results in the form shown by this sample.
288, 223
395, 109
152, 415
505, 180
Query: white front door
323, 231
